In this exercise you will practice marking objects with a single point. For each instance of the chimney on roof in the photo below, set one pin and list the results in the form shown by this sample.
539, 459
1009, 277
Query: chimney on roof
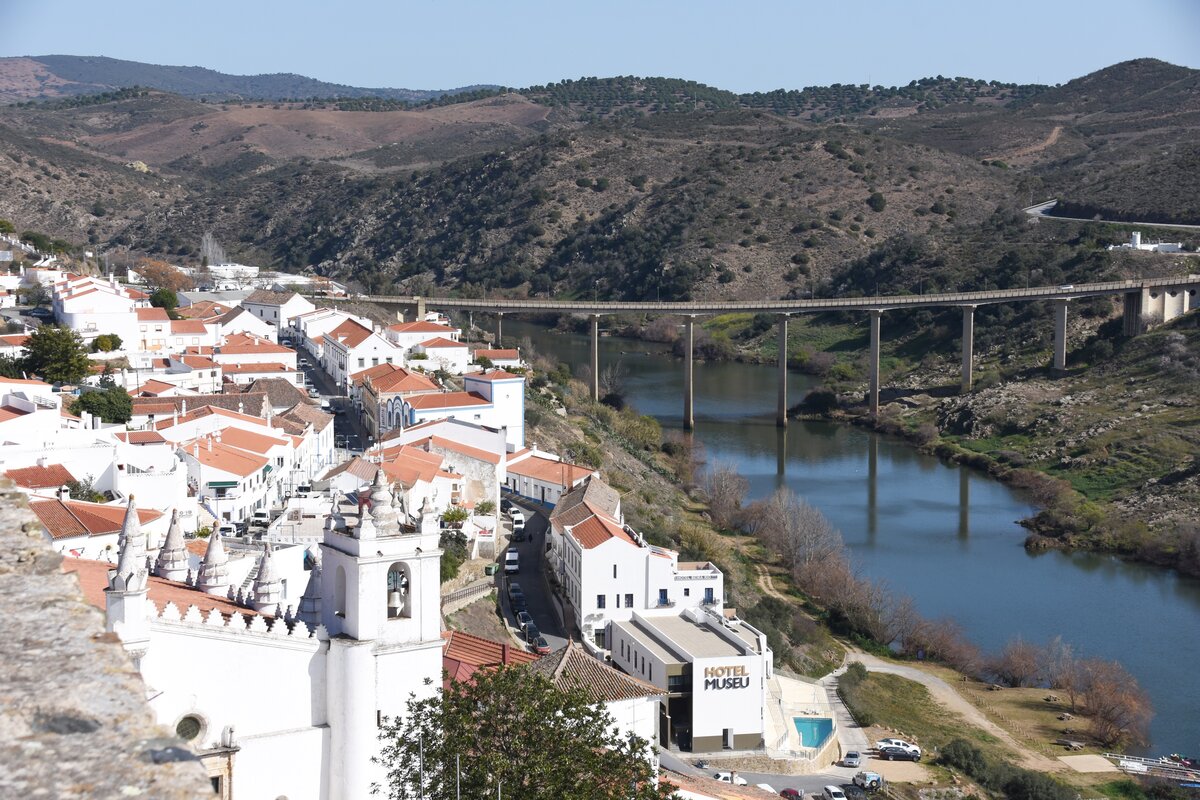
64, 494
503, 653
210, 438
43, 461
183, 407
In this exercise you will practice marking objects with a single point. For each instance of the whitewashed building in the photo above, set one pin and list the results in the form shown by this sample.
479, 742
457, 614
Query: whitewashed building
276, 308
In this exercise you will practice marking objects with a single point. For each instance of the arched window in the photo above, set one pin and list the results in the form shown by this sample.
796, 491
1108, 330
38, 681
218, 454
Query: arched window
339, 592
399, 587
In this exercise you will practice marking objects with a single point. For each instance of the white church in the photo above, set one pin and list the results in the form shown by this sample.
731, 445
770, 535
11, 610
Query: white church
282, 702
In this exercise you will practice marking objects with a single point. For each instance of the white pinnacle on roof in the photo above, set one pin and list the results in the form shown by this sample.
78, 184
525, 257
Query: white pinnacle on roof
310, 602
172, 563
387, 522
366, 524
268, 588
214, 569
335, 521
131, 574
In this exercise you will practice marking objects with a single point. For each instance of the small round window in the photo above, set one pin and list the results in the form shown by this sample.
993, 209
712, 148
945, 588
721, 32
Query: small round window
188, 728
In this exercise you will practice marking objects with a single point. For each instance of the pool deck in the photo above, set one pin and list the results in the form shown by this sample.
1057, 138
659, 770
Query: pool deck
789, 698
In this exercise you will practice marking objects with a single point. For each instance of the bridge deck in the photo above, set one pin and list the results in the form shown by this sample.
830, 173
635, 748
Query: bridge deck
882, 303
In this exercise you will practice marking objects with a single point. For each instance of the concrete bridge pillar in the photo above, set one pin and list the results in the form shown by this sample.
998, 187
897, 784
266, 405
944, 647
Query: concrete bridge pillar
781, 406
968, 348
420, 308
594, 347
689, 414
1131, 314
873, 364
1060, 335
499, 329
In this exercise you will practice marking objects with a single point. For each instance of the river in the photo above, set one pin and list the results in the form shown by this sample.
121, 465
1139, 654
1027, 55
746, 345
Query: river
945, 535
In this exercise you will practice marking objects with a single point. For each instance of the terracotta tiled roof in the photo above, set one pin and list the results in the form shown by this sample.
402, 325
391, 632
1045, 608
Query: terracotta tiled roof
7, 413
250, 440
349, 334
598, 496
205, 309
14, 340
421, 326
240, 344
197, 547
182, 327
93, 580
153, 388
141, 437
548, 470
152, 315
198, 362
403, 380
598, 529
265, 366
203, 411
265, 297
457, 447
252, 404
492, 375
359, 468
24, 382
226, 458
446, 400
281, 393
308, 414
507, 354
49, 476
64, 519
440, 343
374, 372
465, 653
573, 668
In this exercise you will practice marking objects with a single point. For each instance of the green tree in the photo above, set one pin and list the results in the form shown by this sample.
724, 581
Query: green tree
106, 343
112, 405
36, 295
876, 202
484, 362
513, 730
85, 490
164, 298
6, 226
39, 240
57, 354
11, 367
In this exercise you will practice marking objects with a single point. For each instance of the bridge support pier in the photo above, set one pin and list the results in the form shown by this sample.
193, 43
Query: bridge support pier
873, 365
499, 329
1060, 335
968, 348
420, 308
594, 347
689, 413
1131, 314
781, 407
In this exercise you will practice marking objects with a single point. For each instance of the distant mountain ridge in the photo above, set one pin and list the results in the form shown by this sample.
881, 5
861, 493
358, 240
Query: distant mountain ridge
54, 76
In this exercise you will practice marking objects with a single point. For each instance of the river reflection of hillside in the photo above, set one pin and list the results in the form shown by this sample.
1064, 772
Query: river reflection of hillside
943, 534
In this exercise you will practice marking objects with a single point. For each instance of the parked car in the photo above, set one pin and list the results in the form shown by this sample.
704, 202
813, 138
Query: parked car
304, 362
517, 601
793, 794
286, 342
514, 588
832, 792
512, 563
852, 759
313, 392
898, 754
505, 504
730, 777
540, 646
227, 529
519, 530
871, 781
900, 743
260, 519
325, 405
532, 632
523, 619
516, 516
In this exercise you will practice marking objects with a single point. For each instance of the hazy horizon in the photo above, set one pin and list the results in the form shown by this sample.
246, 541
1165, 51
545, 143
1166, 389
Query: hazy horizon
757, 48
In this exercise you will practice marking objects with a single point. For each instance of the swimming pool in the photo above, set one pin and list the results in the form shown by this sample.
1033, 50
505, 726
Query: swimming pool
813, 730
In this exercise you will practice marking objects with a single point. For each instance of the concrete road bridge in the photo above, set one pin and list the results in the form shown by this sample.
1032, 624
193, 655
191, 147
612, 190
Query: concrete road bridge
1157, 298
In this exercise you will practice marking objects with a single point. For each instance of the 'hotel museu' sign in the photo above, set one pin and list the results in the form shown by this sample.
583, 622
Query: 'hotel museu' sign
735, 677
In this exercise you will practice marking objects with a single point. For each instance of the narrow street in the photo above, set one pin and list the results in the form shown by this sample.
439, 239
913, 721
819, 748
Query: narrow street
349, 433
532, 579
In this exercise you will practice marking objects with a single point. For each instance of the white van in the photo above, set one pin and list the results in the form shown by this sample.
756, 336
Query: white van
833, 793
512, 563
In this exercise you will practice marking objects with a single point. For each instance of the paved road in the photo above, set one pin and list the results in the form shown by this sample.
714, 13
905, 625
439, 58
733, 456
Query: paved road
808, 784
532, 579
1041, 210
880, 303
348, 430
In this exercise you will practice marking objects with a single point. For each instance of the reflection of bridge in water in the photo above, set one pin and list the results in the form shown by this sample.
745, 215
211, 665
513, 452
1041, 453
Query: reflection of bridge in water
1158, 298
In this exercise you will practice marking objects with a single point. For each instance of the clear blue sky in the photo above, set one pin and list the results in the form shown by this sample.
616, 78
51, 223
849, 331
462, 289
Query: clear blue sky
742, 46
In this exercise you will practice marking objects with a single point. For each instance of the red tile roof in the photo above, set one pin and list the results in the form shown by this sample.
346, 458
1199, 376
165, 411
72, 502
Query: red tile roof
492, 375
464, 654
421, 326
265, 366
152, 315
226, 458
403, 380
440, 343
447, 400
350, 334
596, 530
15, 340
69, 518
498, 355
7, 413
457, 447
573, 668
49, 476
141, 437
181, 327
548, 470
93, 580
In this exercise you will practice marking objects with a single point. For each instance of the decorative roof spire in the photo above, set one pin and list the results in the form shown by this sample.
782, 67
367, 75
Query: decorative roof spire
172, 563
214, 570
387, 522
131, 574
335, 521
310, 603
366, 524
268, 588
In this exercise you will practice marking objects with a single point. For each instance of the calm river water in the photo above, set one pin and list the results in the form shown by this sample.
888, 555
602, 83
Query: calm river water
944, 535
